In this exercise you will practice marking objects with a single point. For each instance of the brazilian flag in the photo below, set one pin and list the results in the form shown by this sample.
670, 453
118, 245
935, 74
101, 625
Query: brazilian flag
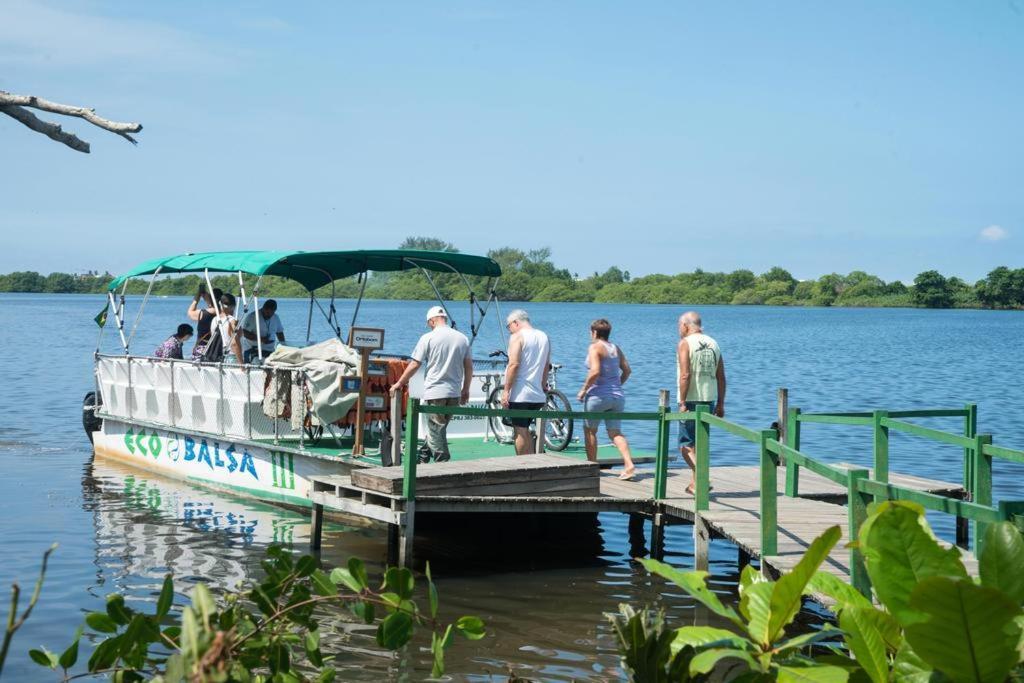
101, 318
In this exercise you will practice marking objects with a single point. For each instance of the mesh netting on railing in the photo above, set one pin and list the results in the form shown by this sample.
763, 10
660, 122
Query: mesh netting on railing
259, 403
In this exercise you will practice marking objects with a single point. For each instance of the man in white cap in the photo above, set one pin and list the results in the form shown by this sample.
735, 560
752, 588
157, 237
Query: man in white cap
449, 371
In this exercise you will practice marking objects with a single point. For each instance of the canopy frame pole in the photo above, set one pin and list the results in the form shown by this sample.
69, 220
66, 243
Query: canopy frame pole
117, 321
213, 297
440, 299
497, 309
492, 297
363, 277
473, 305
309, 318
332, 316
256, 315
327, 317
138, 316
241, 291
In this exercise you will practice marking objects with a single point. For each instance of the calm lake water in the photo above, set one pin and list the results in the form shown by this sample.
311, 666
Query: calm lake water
120, 531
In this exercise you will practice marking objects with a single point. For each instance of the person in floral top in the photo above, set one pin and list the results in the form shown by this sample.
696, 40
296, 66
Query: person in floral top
172, 347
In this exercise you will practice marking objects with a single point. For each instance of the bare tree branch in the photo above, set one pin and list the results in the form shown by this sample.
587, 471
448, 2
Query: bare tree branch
50, 130
15, 107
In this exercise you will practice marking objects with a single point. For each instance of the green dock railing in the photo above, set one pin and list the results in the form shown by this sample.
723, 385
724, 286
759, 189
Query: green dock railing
862, 486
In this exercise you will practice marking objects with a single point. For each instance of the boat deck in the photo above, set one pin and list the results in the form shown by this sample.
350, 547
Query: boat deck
463, 449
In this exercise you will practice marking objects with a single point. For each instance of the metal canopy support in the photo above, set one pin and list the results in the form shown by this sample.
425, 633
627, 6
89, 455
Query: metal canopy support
440, 299
363, 277
331, 314
118, 322
256, 315
138, 316
213, 297
309, 318
241, 291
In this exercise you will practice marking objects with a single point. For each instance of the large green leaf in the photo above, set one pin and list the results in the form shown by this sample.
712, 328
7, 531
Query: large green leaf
163, 602
787, 596
900, 552
830, 585
757, 604
700, 636
1002, 562
805, 639
395, 630
814, 673
704, 662
863, 627
909, 668
693, 583
969, 632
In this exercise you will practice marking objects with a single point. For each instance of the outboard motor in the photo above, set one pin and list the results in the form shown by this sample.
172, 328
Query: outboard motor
90, 420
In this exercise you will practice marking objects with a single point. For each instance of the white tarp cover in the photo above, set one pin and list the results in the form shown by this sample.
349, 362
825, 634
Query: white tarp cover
325, 364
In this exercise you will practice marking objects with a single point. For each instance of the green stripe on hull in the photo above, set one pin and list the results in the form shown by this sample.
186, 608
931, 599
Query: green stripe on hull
261, 494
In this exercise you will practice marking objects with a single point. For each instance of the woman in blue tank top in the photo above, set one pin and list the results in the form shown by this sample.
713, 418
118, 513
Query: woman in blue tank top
607, 369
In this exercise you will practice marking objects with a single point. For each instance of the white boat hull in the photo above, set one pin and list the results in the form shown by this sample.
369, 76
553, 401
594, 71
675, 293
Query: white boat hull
245, 468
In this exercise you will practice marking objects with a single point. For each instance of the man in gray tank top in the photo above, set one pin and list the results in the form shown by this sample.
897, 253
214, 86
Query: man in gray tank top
526, 377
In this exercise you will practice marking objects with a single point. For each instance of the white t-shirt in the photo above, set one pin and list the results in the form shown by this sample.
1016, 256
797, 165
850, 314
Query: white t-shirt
442, 352
268, 329
533, 359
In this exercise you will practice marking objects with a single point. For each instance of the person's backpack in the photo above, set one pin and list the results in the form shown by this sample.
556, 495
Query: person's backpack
214, 351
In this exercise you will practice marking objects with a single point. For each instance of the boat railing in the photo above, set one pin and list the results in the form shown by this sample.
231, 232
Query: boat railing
232, 401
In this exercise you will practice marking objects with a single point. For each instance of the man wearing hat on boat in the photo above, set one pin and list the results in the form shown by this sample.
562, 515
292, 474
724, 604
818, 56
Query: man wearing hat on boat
449, 371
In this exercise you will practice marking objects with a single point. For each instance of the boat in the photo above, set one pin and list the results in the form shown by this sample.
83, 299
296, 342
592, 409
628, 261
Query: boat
231, 427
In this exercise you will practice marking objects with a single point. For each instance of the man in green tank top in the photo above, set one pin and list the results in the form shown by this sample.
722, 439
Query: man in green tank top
700, 373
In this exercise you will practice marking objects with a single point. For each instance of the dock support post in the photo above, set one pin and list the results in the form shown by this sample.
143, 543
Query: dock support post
406, 534
857, 513
407, 530
392, 558
982, 492
542, 425
793, 441
657, 536
963, 525
769, 497
316, 527
742, 559
701, 543
881, 446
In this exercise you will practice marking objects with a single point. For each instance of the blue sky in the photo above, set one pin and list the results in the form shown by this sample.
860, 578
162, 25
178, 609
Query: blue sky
658, 137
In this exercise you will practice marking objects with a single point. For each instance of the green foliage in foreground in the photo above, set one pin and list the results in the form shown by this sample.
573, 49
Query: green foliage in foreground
266, 633
530, 275
932, 623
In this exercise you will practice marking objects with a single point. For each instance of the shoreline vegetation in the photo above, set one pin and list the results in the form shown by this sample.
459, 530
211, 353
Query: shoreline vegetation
532, 276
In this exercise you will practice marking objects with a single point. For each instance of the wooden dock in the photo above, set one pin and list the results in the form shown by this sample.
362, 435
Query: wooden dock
551, 484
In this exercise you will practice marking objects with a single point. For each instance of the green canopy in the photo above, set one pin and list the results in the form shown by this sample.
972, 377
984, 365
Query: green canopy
315, 269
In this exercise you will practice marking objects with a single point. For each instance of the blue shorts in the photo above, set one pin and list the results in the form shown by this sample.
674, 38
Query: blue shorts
604, 404
688, 428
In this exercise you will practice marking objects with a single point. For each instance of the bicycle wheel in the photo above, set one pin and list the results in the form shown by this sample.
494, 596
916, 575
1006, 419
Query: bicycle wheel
502, 432
557, 431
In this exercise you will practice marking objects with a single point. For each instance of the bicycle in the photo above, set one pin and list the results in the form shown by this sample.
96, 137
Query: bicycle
557, 431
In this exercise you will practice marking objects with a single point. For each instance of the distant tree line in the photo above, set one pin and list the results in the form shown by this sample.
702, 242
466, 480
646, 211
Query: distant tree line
532, 276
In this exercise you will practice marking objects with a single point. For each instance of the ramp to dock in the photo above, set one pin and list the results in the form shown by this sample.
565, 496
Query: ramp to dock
551, 484
532, 475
